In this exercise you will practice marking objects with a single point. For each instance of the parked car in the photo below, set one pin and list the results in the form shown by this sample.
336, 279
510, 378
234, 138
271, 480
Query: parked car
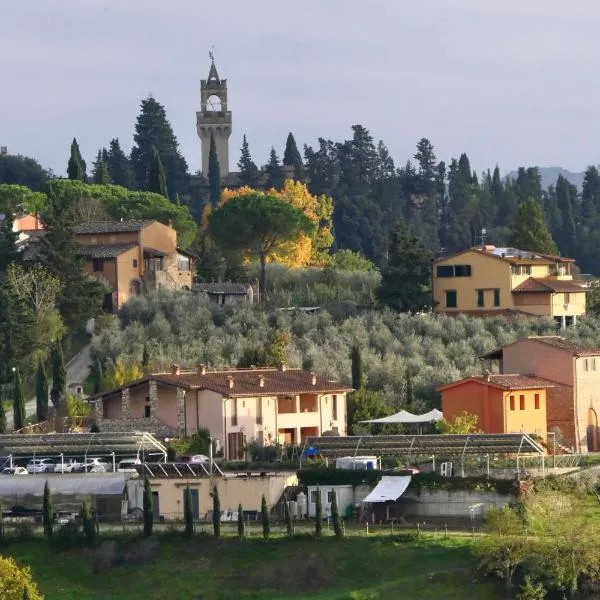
40, 465
67, 466
14, 471
127, 465
92, 465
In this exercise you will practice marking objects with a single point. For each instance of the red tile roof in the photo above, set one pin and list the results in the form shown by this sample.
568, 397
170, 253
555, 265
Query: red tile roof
507, 382
548, 285
560, 343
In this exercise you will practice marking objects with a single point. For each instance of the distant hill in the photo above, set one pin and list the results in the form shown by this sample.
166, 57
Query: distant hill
550, 175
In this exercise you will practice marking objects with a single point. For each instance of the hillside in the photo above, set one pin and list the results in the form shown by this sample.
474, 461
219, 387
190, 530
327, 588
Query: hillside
549, 176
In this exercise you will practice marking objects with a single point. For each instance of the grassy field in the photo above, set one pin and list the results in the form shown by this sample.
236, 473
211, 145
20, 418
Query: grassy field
374, 568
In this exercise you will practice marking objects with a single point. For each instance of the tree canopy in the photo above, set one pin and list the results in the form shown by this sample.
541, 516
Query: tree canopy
529, 230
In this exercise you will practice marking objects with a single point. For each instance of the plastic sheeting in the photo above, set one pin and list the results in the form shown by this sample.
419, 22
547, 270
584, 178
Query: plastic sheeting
406, 417
389, 489
91, 484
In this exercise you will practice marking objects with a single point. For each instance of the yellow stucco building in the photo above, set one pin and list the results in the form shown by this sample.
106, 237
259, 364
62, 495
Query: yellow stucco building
488, 279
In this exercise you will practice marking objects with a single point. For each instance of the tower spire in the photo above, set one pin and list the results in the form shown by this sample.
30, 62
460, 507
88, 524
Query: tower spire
213, 76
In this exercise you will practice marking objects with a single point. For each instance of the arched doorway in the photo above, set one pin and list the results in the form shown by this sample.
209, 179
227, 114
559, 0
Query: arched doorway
592, 431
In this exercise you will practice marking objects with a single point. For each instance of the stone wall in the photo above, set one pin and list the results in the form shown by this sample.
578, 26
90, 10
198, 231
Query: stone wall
151, 425
456, 503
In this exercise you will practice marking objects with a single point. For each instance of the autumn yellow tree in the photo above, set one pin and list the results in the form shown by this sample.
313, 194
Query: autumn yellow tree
309, 249
15, 582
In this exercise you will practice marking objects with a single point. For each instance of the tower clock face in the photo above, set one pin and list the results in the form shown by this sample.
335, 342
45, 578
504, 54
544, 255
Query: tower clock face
213, 104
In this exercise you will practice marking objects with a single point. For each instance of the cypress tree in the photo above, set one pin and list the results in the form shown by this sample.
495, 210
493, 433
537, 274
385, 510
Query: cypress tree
145, 356
76, 166
335, 517
214, 173
47, 514
41, 392
148, 506
157, 181
240, 523
87, 521
289, 523
118, 165
188, 513
275, 174
266, 518
529, 230
356, 360
59, 376
249, 173
216, 514
409, 388
100, 173
318, 514
292, 158
18, 402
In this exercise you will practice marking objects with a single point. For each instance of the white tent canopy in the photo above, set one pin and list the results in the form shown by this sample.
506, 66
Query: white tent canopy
390, 488
406, 417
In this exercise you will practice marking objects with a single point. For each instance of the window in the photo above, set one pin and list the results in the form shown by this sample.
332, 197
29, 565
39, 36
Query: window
234, 420
521, 402
536, 401
135, 263
593, 363
567, 297
480, 298
147, 408
313, 496
98, 264
183, 262
445, 271
334, 407
462, 271
512, 403
585, 365
451, 299
496, 297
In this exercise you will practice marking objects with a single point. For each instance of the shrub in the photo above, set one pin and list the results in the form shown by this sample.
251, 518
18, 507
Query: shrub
16, 582
266, 518
241, 527
216, 514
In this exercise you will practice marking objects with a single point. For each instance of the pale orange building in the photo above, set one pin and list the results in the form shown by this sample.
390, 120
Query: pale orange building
503, 403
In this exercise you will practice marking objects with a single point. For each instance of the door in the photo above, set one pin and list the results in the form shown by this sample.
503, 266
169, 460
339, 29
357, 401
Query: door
155, 507
195, 503
592, 431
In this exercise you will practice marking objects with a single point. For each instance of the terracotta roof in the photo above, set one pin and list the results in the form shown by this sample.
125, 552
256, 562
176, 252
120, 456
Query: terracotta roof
106, 250
548, 285
111, 226
153, 253
512, 256
246, 382
500, 312
560, 343
222, 288
507, 382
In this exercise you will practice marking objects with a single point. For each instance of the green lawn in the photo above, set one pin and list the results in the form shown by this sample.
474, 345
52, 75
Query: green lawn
357, 568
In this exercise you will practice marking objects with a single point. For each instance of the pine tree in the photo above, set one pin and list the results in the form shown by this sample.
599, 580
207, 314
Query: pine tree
18, 402
118, 165
148, 507
275, 174
156, 180
152, 129
214, 173
216, 512
292, 158
289, 523
87, 522
266, 518
59, 376
318, 514
47, 513
241, 527
188, 513
249, 173
335, 517
529, 230
356, 360
406, 280
76, 166
100, 173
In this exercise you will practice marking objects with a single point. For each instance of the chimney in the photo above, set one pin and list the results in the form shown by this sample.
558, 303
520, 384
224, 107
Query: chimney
201, 370
283, 366
175, 370
230, 381
261, 381
314, 378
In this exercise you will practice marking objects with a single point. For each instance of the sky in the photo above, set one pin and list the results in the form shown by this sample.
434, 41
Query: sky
509, 82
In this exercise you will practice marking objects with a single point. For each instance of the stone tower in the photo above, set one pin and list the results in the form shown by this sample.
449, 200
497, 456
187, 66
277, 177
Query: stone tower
214, 118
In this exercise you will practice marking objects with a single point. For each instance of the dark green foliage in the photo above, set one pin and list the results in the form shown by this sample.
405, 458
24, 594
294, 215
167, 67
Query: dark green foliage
148, 508
76, 165
2, 419
216, 512
275, 174
100, 173
292, 158
188, 512
211, 263
88, 524
26, 594
8, 241
214, 173
58, 391
118, 165
47, 512
241, 526
335, 518
21, 170
257, 224
157, 181
145, 356
289, 522
18, 402
249, 173
364, 405
529, 230
318, 514
152, 129
406, 280
356, 361
409, 396
265, 518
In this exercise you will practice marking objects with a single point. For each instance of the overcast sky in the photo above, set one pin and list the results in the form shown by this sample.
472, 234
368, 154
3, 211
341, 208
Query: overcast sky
513, 82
